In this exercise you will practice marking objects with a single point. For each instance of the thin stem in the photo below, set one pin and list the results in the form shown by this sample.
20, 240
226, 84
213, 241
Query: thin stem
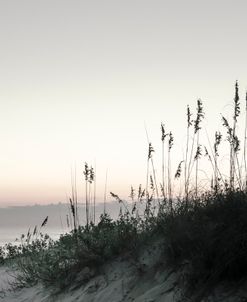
155, 182
147, 176
186, 163
189, 166
163, 168
169, 179
197, 158
105, 191
245, 143
94, 194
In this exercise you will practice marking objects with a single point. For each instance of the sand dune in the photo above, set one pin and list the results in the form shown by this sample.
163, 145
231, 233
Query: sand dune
118, 281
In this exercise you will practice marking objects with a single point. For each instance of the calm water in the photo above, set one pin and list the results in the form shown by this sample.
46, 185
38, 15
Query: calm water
15, 221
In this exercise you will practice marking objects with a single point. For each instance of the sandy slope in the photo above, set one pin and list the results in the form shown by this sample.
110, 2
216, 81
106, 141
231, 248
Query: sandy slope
118, 281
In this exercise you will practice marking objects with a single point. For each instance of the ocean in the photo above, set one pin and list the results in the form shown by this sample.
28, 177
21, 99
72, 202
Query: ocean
18, 220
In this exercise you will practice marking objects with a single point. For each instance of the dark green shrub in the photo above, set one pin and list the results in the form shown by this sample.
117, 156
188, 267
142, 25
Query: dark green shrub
211, 237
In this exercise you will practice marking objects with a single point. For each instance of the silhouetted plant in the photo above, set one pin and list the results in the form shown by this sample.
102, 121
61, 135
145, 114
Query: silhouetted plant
163, 136
218, 138
197, 127
87, 175
179, 170
170, 144
206, 230
189, 124
245, 143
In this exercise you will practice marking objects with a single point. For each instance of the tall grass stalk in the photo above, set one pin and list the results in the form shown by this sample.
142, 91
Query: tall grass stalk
212, 160
86, 174
197, 127
189, 124
74, 200
190, 166
197, 157
69, 217
218, 138
72, 208
245, 143
199, 117
230, 140
234, 141
170, 144
163, 136
150, 150
179, 170
150, 158
155, 179
91, 181
212, 164
94, 194
147, 172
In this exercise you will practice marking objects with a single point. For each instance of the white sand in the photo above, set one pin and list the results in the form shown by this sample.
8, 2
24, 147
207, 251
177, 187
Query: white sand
119, 281
119, 284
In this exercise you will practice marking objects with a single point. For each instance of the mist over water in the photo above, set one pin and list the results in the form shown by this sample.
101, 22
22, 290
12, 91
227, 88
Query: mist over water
17, 220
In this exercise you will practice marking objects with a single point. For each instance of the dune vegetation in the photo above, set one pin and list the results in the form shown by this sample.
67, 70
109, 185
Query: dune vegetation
201, 232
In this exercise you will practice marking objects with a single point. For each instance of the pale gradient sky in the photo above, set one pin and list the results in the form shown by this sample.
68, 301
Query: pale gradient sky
79, 78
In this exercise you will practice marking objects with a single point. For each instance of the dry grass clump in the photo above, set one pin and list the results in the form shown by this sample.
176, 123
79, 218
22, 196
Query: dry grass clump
89, 247
209, 237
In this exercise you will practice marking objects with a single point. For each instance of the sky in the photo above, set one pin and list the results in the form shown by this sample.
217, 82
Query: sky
79, 80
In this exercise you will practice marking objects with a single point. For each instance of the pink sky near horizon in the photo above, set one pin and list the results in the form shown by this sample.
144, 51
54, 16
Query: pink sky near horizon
79, 79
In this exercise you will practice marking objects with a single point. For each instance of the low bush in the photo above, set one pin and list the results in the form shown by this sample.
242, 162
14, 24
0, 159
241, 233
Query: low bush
211, 237
89, 247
